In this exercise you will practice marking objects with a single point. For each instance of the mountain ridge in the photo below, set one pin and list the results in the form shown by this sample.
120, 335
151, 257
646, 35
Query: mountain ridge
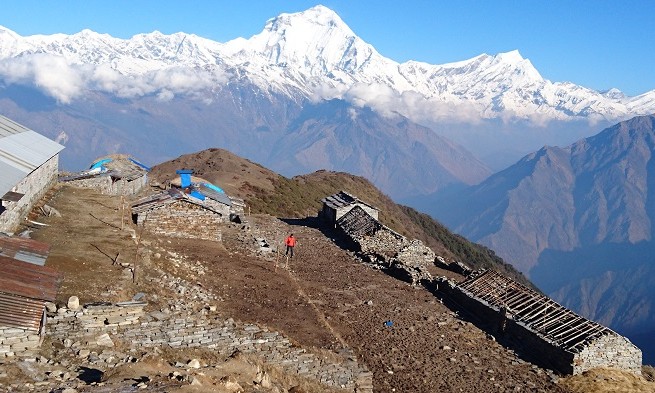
587, 209
314, 54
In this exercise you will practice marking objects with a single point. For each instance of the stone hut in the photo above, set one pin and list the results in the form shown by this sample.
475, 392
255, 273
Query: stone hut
177, 214
404, 259
24, 290
335, 206
556, 336
116, 174
210, 193
29, 163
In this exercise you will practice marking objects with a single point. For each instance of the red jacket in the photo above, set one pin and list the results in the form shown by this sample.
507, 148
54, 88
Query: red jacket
291, 241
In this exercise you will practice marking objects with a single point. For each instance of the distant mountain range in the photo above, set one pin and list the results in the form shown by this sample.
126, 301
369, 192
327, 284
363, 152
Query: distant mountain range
307, 93
159, 96
579, 220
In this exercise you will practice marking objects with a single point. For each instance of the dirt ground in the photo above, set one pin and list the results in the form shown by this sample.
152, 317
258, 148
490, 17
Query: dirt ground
323, 298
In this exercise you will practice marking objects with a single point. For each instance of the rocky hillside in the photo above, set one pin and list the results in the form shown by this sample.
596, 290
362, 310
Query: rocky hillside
587, 209
300, 196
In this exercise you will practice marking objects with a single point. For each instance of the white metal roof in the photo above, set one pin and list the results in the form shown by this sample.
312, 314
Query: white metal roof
21, 152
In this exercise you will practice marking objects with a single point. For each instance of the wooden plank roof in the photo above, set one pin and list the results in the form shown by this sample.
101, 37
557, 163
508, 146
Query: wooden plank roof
550, 320
342, 199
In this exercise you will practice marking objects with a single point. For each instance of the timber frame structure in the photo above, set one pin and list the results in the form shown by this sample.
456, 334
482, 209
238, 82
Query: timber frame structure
574, 343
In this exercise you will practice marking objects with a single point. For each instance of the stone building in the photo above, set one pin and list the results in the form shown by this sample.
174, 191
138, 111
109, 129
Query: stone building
402, 258
29, 163
335, 206
177, 214
208, 192
116, 174
24, 290
554, 335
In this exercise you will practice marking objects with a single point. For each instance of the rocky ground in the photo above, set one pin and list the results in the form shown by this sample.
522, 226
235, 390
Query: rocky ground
324, 298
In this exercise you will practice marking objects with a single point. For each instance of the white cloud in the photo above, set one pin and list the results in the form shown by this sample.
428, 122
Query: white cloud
65, 81
410, 104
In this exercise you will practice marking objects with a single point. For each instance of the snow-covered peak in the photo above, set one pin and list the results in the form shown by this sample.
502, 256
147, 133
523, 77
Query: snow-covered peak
315, 41
309, 54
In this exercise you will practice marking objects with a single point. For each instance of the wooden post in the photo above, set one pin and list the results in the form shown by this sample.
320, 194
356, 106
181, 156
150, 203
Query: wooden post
122, 212
138, 243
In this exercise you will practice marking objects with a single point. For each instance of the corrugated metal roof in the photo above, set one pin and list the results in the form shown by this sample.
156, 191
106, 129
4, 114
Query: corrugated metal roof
28, 280
27, 150
10, 127
20, 312
213, 194
23, 249
10, 177
21, 152
157, 200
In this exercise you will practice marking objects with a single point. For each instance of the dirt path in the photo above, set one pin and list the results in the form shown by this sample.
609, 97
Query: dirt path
330, 300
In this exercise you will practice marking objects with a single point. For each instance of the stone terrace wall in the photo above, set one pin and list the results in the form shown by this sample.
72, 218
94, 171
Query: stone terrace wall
97, 324
14, 341
183, 219
34, 186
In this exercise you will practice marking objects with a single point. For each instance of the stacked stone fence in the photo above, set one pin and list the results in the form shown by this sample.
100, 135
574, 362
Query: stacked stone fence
15, 341
101, 324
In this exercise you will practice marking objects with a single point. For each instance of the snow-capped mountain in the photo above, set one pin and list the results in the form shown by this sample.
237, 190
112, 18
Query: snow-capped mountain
308, 55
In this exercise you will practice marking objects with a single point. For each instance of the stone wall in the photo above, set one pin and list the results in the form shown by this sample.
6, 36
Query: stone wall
110, 186
404, 259
103, 324
34, 186
182, 219
609, 351
14, 341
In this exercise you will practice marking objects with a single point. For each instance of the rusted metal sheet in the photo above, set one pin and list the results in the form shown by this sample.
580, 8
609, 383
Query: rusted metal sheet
12, 196
21, 312
23, 249
28, 280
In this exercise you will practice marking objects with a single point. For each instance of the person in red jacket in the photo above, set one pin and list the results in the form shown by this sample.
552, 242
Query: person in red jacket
290, 243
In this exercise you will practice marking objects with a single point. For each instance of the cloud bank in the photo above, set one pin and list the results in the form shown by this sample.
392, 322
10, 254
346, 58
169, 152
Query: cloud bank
56, 77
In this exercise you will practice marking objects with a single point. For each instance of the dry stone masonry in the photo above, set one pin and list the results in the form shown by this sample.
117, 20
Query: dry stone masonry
405, 259
557, 337
103, 324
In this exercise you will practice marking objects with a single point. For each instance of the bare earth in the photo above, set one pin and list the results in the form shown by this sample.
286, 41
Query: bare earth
325, 298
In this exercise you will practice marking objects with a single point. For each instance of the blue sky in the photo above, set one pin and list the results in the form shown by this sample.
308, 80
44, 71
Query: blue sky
596, 44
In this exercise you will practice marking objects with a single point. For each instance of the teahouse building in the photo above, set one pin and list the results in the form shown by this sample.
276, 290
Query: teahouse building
29, 163
116, 174
191, 208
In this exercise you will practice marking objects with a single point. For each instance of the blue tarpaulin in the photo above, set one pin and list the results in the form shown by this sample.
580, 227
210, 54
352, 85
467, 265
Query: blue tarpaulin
100, 164
213, 187
185, 177
197, 195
